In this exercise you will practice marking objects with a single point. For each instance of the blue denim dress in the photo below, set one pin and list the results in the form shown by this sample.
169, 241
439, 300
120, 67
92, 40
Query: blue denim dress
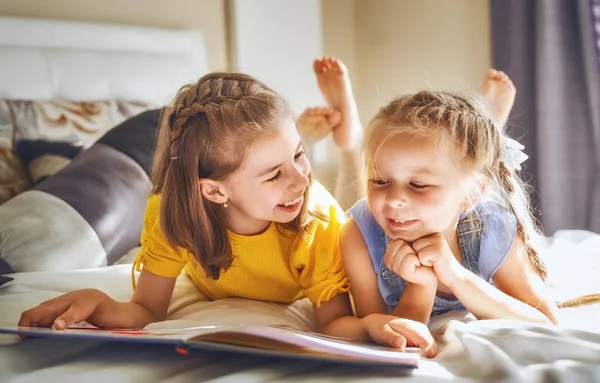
485, 234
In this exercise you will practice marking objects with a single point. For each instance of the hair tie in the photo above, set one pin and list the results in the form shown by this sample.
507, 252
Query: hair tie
512, 153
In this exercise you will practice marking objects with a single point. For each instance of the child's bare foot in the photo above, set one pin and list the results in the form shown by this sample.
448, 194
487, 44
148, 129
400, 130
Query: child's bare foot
334, 83
499, 91
315, 124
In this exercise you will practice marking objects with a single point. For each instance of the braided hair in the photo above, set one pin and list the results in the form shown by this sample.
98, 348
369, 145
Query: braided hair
476, 143
205, 133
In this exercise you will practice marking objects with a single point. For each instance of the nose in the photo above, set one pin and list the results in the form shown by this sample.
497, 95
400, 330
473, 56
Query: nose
300, 178
396, 196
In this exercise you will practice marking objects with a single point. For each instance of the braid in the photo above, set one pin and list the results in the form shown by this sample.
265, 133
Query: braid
518, 204
205, 134
463, 121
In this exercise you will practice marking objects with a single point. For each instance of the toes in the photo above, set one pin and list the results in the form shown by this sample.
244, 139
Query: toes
336, 65
318, 65
491, 73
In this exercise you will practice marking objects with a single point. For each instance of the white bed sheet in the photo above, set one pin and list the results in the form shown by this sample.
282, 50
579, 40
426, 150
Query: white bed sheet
491, 350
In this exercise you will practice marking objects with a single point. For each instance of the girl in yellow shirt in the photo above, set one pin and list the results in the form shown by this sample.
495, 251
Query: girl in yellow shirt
234, 205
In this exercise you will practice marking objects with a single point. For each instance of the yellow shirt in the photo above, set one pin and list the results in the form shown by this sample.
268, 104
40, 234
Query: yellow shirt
276, 265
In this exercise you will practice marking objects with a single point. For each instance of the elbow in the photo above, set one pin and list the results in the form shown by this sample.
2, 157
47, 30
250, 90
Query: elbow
150, 316
545, 320
548, 313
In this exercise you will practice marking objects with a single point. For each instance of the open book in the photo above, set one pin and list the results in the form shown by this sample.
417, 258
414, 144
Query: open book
273, 340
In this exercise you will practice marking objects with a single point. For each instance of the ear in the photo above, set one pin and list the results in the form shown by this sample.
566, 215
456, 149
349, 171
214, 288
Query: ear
212, 191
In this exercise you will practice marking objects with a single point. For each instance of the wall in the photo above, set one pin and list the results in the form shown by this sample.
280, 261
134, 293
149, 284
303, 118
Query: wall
278, 46
207, 16
393, 47
389, 46
409, 45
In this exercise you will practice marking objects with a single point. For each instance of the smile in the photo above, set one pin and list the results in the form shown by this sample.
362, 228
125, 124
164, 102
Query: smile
292, 202
401, 223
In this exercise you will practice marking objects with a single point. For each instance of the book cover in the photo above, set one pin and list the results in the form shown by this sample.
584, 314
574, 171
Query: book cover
272, 340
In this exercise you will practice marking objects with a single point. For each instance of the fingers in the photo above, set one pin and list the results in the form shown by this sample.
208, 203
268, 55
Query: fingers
416, 335
401, 258
75, 313
44, 314
334, 118
425, 248
391, 251
409, 264
392, 338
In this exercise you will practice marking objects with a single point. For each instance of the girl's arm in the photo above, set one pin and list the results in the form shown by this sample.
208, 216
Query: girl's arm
517, 278
416, 302
518, 293
336, 317
359, 269
148, 304
418, 297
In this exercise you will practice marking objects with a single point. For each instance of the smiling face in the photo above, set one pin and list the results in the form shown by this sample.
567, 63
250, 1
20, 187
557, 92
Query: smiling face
414, 190
270, 184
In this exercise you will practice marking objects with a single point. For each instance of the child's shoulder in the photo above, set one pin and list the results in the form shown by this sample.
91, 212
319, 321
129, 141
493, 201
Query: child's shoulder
360, 209
151, 216
496, 219
489, 209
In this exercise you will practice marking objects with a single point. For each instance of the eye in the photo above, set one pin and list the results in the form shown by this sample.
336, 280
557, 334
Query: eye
275, 178
299, 154
418, 185
379, 182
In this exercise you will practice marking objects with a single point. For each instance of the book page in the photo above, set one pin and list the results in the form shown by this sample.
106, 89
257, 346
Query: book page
291, 339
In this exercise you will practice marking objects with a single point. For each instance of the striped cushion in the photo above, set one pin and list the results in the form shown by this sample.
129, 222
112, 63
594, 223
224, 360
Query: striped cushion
90, 212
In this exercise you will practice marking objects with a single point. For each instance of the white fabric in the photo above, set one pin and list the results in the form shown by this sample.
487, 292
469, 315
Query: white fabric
29, 243
471, 350
49, 59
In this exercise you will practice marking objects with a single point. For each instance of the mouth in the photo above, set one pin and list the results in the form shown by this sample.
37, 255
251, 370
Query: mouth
292, 205
401, 223
292, 202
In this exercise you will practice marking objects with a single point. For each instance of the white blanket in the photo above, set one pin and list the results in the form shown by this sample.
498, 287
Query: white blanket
470, 350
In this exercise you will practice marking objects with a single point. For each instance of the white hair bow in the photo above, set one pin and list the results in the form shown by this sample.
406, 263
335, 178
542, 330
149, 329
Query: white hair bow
512, 154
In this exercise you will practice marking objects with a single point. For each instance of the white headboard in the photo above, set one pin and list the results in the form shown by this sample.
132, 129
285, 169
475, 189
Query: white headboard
49, 59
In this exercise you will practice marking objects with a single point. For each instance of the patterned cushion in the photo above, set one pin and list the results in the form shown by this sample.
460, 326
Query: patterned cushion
47, 123
45, 158
68, 121
13, 176
88, 214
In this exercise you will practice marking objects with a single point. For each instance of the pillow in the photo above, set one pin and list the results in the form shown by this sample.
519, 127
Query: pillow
68, 121
13, 176
89, 213
50, 124
4, 280
44, 158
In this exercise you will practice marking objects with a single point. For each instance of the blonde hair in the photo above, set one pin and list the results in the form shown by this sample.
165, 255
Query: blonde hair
205, 133
476, 143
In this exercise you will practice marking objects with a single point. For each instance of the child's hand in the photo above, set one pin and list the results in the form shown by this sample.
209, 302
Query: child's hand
63, 311
397, 332
434, 251
314, 124
402, 259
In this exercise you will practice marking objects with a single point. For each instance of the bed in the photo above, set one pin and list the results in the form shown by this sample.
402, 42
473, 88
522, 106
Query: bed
91, 62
